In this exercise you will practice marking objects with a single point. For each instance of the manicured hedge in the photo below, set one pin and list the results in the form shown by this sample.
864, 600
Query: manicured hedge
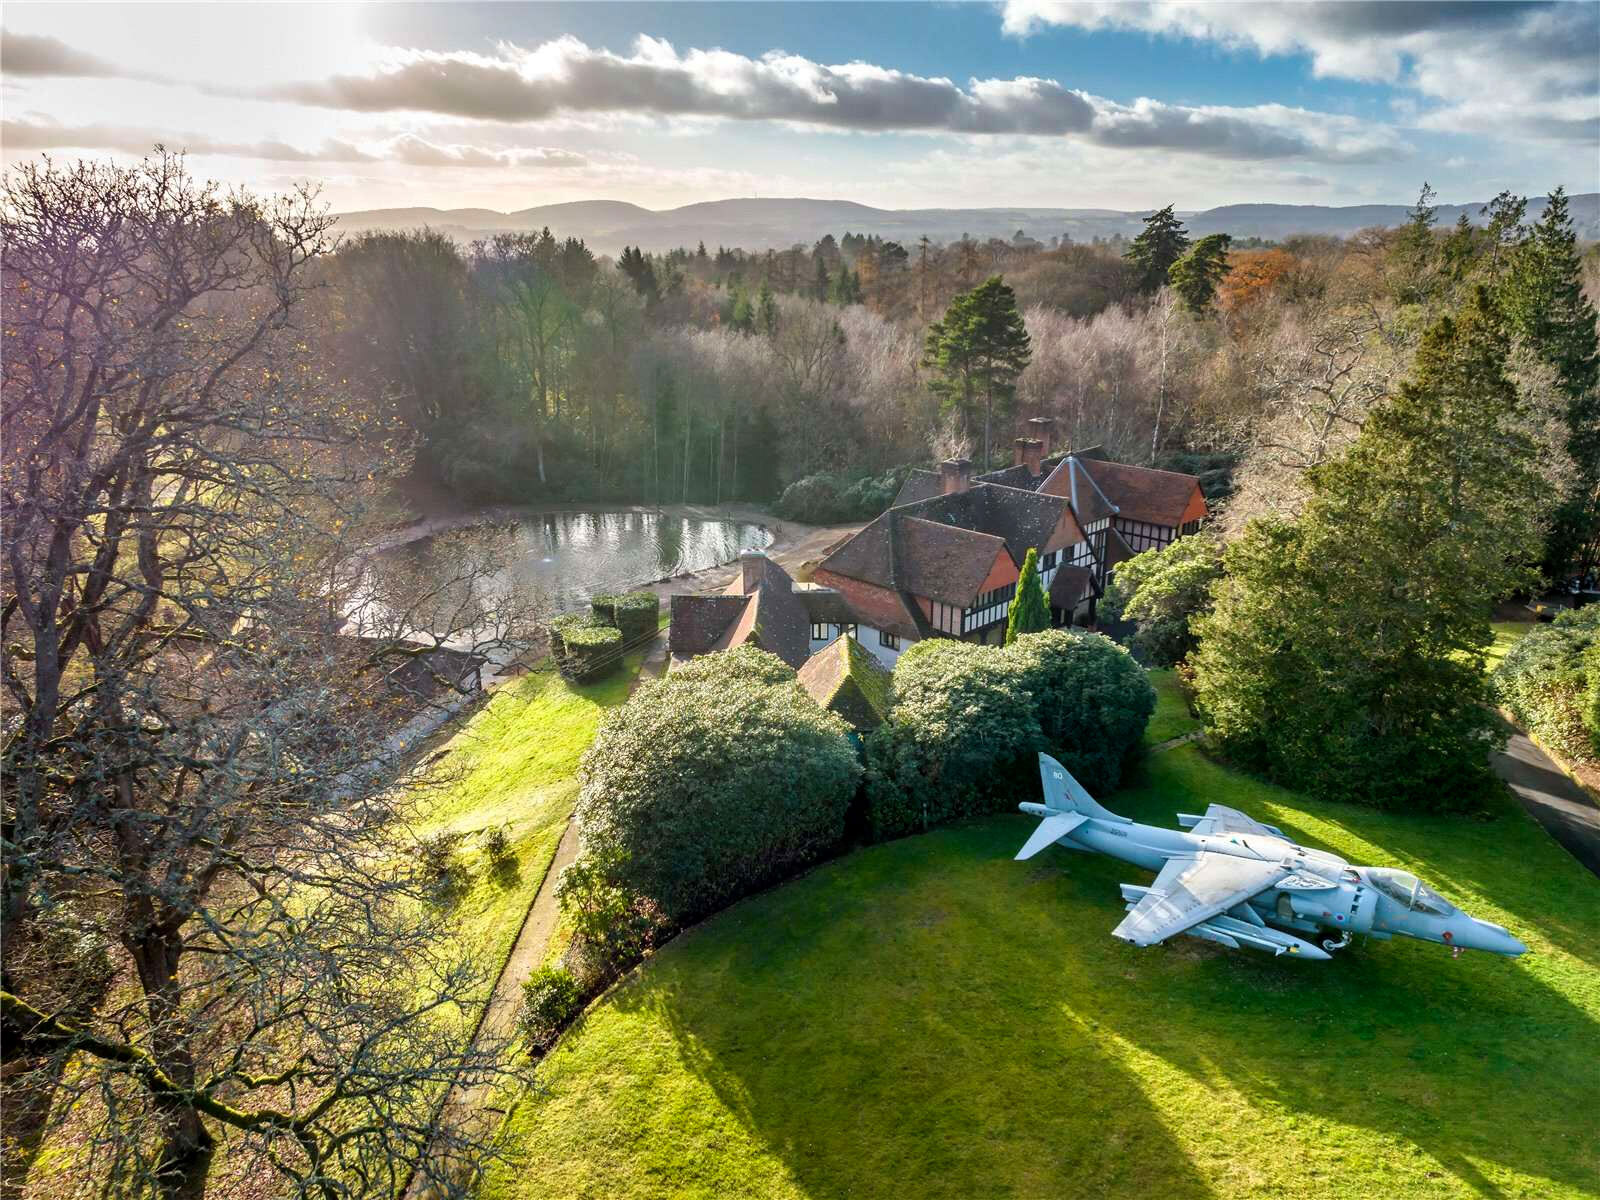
1549, 682
707, 786
590, 651
635, 613
556, 629
744, 662
968, 722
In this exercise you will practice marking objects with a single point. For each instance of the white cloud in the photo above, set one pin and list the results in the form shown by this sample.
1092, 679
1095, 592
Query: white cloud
565, 76
1512, 68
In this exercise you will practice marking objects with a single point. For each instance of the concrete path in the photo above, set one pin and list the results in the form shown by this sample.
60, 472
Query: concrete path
499, 1020
1567, 812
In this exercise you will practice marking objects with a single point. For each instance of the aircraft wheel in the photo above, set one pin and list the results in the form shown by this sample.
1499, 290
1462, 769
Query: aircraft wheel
1332, 944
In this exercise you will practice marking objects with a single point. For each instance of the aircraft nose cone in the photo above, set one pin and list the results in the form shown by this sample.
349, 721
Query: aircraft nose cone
1486, 935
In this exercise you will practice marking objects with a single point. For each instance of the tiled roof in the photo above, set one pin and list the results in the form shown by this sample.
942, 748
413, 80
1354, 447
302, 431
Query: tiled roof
1072, 481
1070, 586
845, 679
1144, 493
943, 562
919, 485
1019, 476
825, 606
698, 622
1021, 518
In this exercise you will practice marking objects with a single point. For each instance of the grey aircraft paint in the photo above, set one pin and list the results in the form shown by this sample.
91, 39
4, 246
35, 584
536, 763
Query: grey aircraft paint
1234, 881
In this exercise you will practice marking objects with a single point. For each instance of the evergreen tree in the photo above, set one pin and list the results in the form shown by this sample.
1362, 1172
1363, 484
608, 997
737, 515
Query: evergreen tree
978, 348
820, 287
744, 317
1155, 250
1030, 611
1416, 250
1345, 652
1546, 307
1196, 275
767, 310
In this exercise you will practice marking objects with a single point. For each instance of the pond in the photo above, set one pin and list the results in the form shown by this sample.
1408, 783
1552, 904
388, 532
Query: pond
556, 561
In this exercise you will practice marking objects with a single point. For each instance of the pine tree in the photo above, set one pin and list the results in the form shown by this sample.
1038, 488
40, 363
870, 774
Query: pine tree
821, 285
1030, 611
1196, 275
1345, 652
1155, 250
979, 348
1416, 250
767, 310
1546, 307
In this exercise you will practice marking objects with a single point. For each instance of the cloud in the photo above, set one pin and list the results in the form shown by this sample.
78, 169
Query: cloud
31, 54
1513, 68
565, 76
407, 148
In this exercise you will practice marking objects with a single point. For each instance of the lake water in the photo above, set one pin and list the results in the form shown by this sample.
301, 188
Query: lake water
557, 561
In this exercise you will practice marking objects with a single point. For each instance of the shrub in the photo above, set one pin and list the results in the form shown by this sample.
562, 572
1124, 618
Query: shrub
497, 846
1549, 682
702, 789
1160, 591
1091, 699
590, 651
960, 739
550, 999
637, 614
612, 927
557, 628
742, 662
824, 499
441, 861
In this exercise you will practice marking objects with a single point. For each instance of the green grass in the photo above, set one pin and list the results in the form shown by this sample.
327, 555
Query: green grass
1506, 635
1171, 718
514, 765
929, 1018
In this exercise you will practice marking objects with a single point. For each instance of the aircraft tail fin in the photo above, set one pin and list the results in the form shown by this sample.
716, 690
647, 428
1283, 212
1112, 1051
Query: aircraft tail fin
1063, 793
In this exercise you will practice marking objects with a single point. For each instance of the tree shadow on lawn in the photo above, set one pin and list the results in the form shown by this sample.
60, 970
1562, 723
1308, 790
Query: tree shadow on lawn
930, 1018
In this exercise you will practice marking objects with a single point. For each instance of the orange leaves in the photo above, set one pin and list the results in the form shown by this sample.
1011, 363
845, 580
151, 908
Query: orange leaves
1252, 275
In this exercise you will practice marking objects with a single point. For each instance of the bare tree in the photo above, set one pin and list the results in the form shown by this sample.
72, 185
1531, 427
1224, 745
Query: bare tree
200, 759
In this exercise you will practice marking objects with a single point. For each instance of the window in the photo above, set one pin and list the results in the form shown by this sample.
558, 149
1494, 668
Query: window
819, 633
1049, 560
888, 640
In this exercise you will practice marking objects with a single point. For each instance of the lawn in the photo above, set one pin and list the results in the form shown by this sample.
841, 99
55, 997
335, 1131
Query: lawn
929, 1018
1506, 635
514, 766
1171, 718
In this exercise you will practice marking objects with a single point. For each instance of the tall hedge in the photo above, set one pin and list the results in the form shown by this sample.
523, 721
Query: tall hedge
968, 722
709, 785
635, 613
1548, 681
590, 651
1092, 701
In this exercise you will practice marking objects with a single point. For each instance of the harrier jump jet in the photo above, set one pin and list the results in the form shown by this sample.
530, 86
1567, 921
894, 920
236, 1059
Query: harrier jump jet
1237, 882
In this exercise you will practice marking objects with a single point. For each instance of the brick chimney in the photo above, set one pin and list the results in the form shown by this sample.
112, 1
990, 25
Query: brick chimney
1029, 453
752, 569
955, 474
1043, 428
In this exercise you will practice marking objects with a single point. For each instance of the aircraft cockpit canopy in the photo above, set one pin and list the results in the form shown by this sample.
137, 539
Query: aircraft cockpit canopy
1405, 888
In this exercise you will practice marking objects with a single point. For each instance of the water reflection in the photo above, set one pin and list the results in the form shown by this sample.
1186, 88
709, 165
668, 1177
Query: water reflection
557, 561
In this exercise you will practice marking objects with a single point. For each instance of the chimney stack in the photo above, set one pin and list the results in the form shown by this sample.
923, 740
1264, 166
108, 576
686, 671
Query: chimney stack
955, 474
1044, 429
752, 568
1030, 454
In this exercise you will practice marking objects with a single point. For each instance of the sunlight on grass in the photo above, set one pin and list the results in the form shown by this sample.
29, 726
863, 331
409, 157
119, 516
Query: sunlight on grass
1506, 635
929, 1018
1171, 718
514, 766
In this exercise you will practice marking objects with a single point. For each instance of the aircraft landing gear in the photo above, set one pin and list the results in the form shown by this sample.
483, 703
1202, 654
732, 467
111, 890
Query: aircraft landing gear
1331, 943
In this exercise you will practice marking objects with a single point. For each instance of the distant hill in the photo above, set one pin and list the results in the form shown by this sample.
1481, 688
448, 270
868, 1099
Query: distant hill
761, 224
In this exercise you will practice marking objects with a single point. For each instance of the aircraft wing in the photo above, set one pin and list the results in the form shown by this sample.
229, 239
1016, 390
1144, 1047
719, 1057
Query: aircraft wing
1192, 889
1221, 819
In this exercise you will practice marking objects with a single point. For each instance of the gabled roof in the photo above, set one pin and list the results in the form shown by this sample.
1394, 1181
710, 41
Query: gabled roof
1072, 481
698, 622
1021, 518
1146, 494
1018, 476
844, 678
944, 562
824, 605
919, 485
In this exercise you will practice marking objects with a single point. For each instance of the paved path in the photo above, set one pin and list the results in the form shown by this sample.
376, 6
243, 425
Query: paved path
1568, 813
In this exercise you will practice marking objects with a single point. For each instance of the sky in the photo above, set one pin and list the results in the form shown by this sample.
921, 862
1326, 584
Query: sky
1122, 105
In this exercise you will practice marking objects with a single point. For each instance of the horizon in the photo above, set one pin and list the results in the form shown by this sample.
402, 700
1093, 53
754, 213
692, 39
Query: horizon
1126, 107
